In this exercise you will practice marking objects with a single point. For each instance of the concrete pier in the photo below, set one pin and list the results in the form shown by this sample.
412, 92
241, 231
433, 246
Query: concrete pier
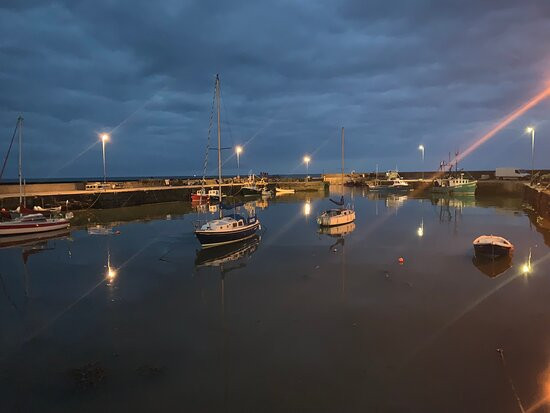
120, 194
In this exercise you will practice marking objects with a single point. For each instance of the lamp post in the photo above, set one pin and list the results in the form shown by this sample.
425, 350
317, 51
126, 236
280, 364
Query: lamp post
421, 148
104, 138
238, 150
531, 130
307, 160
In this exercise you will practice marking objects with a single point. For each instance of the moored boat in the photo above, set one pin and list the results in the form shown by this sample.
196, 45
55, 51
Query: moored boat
492, 246
336, 216
229, 229
32, 224
28, 221
281, 191
454, 185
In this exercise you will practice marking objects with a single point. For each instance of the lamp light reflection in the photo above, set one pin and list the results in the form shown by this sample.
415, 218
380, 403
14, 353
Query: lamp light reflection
420, 230
307, 208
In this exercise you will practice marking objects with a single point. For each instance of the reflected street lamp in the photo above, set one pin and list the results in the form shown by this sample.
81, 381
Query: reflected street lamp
421, 148
238, 150
531, 130
104, 138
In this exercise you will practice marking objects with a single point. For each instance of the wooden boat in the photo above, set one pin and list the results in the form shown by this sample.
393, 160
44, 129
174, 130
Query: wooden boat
332, 217
492, 246
228, 229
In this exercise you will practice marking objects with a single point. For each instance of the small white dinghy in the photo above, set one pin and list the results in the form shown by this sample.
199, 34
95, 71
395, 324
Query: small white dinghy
280, 191
492, 246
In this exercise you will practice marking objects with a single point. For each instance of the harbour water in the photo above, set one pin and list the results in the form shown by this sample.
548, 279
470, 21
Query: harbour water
126, 313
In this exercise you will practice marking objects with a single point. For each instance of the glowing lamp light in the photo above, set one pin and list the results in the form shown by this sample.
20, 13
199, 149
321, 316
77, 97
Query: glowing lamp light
238, 149
104, 137
529, 129
526, 268
307, 159
420, 147
420, 232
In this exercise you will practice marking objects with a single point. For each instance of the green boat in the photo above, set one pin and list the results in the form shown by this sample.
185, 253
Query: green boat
454, 185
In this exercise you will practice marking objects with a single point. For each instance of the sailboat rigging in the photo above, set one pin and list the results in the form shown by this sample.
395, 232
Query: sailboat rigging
225, 230
337, 216
28, 223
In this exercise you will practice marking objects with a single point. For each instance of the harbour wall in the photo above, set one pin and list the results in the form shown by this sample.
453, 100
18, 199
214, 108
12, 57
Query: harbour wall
131, 194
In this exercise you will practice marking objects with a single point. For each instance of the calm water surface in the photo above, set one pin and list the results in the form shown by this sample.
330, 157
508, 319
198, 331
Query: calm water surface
132, 316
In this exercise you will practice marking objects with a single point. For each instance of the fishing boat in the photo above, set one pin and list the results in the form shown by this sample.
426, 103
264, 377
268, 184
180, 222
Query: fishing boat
453, 182
228, 229
341, 215
251, 190
453, 185
200, 195
28, 223
492, 246
282, 191
392, 183
252, 187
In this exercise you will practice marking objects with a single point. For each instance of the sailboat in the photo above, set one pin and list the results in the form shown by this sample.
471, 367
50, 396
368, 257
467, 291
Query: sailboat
29, 223
341, 215
228, 229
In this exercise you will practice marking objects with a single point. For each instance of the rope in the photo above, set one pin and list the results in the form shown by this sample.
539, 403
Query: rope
9, 150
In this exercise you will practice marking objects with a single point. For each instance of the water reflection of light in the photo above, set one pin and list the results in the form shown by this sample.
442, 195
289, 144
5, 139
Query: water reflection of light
527, 268
307, 208
420, 230
111, 273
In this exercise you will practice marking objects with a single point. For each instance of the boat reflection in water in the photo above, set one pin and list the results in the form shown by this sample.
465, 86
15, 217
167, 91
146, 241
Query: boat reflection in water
492, 267
31, 240
338, 231
224, 254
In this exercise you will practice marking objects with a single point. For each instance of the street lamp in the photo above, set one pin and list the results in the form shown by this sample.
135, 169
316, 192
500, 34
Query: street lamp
238, 150
307, 160
421, 148
104, 138
531, 130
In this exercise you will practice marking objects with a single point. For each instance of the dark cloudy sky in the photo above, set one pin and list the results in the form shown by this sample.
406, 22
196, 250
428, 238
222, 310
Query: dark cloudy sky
394, 73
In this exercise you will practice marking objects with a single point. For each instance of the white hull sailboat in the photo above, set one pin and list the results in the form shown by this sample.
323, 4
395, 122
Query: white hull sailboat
29, 223
337, 216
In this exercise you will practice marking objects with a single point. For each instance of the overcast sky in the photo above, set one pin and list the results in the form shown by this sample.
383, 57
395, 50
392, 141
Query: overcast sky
394, 74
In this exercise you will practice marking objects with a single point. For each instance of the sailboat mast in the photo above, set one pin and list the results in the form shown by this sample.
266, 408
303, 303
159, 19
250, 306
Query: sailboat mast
219, 141
20, 121
342, 156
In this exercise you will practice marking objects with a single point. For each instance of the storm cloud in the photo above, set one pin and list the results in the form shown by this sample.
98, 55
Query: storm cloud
395, 74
